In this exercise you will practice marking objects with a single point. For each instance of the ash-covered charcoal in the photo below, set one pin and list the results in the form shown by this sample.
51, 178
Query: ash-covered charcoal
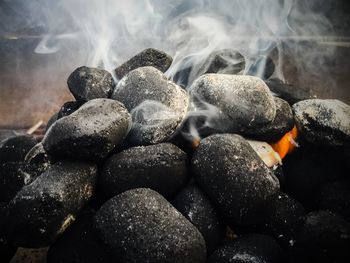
51, 121
91, 132
235, 178
68, 108
323, 122
161, 167
13, 176
157, 105
87, 83
263, 67
148, 57
196, 207
282, 123
242, 102
39, 157
288, 92
140, 225
15, 148
80, 243
252, 248
324, 238
42, 210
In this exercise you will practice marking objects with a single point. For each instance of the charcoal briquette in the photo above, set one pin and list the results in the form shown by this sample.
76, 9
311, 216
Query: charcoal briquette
15, 148
51, 121
263, 66
39, 157
68, 108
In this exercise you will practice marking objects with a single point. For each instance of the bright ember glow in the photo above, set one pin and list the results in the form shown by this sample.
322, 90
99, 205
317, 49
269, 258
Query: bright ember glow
287, 143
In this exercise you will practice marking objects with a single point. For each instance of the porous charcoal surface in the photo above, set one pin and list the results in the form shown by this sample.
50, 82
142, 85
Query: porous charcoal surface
79, 244
91, 132
323, 122
157, 105
139, 225
325, 237
282, 123
235, 178
196, 207
42, 210
148, 57
68, 108
161, 167
252, 248
242, 102
15, 148
87, 83
263, 67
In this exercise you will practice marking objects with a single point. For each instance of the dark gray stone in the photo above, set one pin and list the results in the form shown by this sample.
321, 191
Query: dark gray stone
148, 57
196, 207
15, 148
323, 122
157, 105
235, 178
42, 210
87, 83
90, 132
139, 225
252, 248
161, 167
68, 108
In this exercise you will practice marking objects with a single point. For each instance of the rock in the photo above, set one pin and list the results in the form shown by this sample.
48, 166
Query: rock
287, 92
161, 167
68, 108
15, 148
238, 102
157, 105
262, 67
148, 57
282, 123
235, 178
139, 225
252, 248
196, 207
51, 121
323, 122
79, 244
324, 237
42, 210
87, 83
13, 176
90, 132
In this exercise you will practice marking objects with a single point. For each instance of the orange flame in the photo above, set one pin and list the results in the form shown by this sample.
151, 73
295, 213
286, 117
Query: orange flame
287, 143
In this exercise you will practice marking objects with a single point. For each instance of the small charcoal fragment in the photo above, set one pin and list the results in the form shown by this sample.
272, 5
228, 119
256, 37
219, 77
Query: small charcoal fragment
235, 178
196, 207
90, 83
68, 108
42, 210
252, 248
148, 57
323, 122
262, 67
161, 167
39, 157
241, 102
157, 105
15, 148
91, 132
324, 238
139, 225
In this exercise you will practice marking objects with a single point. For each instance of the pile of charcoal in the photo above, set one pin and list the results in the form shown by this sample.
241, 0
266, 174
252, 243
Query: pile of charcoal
188, 169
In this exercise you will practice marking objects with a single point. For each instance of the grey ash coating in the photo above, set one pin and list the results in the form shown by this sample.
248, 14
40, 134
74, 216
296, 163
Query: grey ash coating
161, 167
43, 209
158, 106
87, 83
140, 225
234, 177
323, 122
245, 100
148, 57
91, 132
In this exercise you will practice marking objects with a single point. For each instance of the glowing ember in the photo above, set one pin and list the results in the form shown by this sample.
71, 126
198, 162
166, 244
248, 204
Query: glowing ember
287, 143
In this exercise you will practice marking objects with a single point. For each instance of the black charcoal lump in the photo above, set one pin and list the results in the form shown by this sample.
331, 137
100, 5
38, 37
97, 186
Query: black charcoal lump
42, 210
91, 132
158, 106
235, 178
140, 225
148, 57
323, 122
244, 102
68, 108
15, 148
87, 83
161, 167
